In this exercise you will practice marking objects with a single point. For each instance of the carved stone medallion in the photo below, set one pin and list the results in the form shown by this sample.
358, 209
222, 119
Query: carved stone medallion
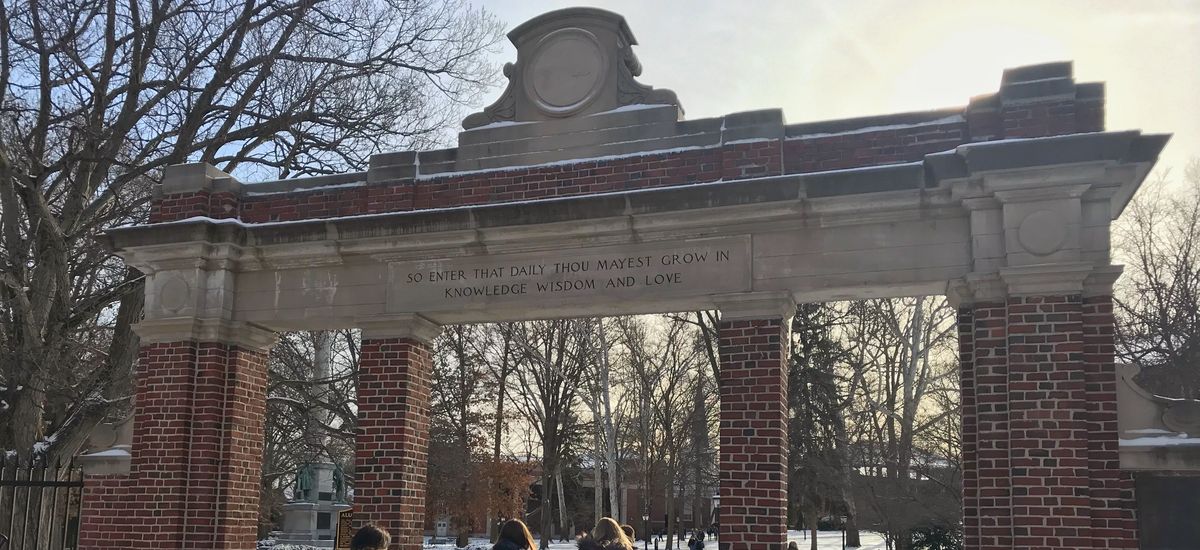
566, 71
174, 293
1042, 232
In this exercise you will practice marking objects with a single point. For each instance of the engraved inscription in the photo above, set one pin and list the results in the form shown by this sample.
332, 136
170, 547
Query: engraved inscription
618, 272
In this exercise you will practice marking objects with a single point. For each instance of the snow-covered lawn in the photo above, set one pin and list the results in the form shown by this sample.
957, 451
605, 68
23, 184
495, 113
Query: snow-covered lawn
826, 540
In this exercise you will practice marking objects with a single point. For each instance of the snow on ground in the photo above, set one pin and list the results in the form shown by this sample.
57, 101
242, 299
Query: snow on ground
826, 540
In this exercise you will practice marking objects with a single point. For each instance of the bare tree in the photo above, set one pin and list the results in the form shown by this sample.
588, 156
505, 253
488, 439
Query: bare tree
459, 423
1158, 298
96, 97
901, 351
666, 365
546, 388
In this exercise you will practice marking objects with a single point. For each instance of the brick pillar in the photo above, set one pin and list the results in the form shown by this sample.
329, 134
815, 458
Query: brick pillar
1048, 439
1040, 464
753, 340
391, 450
1114, 520
987, 518
196, 459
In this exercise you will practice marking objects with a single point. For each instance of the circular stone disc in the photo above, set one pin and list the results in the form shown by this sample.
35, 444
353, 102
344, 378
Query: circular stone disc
566, 72
1042, 232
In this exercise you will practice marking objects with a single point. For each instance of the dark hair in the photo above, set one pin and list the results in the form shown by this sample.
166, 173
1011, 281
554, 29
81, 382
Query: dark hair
370, 537
516, 532
629, 532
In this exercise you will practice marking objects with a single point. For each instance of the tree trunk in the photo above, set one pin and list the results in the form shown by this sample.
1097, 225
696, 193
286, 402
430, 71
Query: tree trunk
597, 482
672, 529
699, 453
562, 502
547, 514
812, 529
610, 432
498, 434
842, 445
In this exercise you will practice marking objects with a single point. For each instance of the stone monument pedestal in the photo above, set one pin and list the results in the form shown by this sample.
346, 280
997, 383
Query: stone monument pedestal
311, 517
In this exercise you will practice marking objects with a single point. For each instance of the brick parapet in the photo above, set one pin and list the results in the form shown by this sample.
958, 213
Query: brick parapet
391, 448
753, 434
1033, 101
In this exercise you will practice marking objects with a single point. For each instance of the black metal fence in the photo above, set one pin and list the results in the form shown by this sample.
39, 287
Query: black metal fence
39, 505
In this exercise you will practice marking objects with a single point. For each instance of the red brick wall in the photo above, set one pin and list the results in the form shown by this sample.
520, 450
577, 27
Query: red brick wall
1040, 465
839, 151
753, 476
1047, 421
1114, 521
391, 450
197, 454
987, 521
106, 512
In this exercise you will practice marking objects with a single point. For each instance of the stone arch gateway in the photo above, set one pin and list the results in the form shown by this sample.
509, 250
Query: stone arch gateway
584, 192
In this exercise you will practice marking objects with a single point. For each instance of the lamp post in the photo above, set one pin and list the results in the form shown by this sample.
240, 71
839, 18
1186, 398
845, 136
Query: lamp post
646, 531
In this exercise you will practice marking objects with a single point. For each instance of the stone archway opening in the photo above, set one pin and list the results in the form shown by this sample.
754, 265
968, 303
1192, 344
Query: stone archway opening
1003, 205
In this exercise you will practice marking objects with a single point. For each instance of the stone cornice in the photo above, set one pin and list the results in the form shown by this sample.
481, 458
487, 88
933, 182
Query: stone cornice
244, 335
977, 288
1046, 279
1101, 280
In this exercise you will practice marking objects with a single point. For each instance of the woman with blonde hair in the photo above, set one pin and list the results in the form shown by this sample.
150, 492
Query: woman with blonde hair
607, 535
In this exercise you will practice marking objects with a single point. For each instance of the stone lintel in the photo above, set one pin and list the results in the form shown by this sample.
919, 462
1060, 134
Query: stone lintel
749, 306
1046, 279
238, 333
411, 326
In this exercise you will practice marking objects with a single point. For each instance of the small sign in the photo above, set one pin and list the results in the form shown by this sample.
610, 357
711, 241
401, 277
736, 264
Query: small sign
345, 529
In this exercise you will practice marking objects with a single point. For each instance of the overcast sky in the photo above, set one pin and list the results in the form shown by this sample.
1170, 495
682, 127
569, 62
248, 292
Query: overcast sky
825, 59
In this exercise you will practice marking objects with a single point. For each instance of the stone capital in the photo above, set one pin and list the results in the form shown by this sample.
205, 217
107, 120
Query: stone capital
1100, 282
114, 461
410, 326
976, 288
1046, 279
747, 306
238, 333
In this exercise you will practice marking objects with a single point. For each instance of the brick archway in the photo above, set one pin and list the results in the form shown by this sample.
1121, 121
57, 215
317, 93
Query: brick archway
1004, 205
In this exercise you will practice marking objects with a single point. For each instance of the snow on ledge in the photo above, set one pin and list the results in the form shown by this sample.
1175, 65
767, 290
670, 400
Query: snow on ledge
115, 452
952, 119
1177, 440
498, 124
564, 162
248, 188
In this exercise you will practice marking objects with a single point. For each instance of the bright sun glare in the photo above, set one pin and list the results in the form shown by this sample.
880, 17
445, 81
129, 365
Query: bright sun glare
967, 62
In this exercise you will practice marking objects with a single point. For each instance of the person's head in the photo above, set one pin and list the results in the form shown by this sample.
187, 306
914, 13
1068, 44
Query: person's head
370, 537
607, 529
793, 546
629, 532
516, 532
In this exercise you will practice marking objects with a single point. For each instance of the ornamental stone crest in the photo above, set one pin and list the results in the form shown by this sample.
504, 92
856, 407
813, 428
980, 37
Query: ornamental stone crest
571, 62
